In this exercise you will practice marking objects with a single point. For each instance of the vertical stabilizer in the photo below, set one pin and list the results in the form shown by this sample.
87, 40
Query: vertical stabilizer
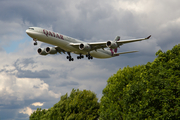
117, 38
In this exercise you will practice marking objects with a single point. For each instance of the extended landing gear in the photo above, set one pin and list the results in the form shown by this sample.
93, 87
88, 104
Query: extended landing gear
69, 57
80, 56
35, 43
89, 56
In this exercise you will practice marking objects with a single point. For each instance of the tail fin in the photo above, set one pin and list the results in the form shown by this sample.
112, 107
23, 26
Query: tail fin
115, 50
117, 38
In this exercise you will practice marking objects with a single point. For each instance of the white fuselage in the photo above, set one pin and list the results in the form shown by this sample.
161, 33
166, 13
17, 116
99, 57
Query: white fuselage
62, 41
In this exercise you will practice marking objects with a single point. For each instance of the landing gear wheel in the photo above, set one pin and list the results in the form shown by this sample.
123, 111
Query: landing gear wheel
89, 56
80, 56
69, 57
35, 43
72, 59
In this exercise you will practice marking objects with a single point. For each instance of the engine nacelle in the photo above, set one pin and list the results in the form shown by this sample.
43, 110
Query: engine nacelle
42, 51
51, 50
85, 47
111, 44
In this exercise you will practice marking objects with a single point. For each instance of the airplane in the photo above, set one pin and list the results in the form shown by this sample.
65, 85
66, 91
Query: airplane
65, 44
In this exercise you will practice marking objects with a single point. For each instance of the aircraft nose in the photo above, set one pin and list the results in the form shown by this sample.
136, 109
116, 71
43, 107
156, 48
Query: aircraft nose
28, 32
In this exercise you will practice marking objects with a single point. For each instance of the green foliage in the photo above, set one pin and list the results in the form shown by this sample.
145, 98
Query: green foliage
150, 91
80, 105
37, 114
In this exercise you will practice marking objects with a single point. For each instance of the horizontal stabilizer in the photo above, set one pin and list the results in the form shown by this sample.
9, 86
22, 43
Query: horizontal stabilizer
125, 52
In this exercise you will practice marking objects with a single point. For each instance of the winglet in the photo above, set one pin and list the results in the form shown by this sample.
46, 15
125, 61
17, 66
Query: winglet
148, 37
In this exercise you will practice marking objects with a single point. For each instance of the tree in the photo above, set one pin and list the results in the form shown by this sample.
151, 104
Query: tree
36, 115
80, 105
150, 91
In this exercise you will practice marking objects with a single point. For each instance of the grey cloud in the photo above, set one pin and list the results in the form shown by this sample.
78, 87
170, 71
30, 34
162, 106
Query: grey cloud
36, 74
67, 83
5, 114
24, 62
22, 116
27, 10
169, 37
19, 64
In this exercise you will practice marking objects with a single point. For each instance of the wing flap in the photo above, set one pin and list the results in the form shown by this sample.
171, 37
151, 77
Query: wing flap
98, 45
59, 49
94, 45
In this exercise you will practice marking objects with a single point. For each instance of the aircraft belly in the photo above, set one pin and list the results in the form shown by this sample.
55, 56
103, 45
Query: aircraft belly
63, 44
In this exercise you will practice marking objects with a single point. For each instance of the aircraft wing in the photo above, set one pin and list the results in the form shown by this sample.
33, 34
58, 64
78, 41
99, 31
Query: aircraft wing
132, 40
94, 45
98, 45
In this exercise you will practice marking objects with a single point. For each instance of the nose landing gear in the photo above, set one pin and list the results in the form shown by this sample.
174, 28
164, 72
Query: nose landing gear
35, 43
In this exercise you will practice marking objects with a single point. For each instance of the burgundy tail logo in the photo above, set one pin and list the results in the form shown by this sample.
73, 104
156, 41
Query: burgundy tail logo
113, 51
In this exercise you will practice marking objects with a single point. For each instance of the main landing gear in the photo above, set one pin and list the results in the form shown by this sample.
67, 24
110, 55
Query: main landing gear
69, 57
80, 56
89, 56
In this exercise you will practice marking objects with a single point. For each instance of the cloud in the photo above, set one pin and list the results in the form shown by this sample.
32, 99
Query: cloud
16, 93
23, 88
38, 104
12, 31
21, 71
67, 83
27, 110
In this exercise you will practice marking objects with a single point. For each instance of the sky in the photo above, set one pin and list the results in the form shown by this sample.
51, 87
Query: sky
29, 81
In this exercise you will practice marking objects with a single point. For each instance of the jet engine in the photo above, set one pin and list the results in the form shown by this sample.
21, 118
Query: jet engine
85, 47
111, 44
51, 50
42, 51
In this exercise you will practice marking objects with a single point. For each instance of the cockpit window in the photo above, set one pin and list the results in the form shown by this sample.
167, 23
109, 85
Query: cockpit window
31, 28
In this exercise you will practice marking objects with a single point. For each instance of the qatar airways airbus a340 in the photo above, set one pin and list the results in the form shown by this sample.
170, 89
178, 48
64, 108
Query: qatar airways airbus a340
65, 44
